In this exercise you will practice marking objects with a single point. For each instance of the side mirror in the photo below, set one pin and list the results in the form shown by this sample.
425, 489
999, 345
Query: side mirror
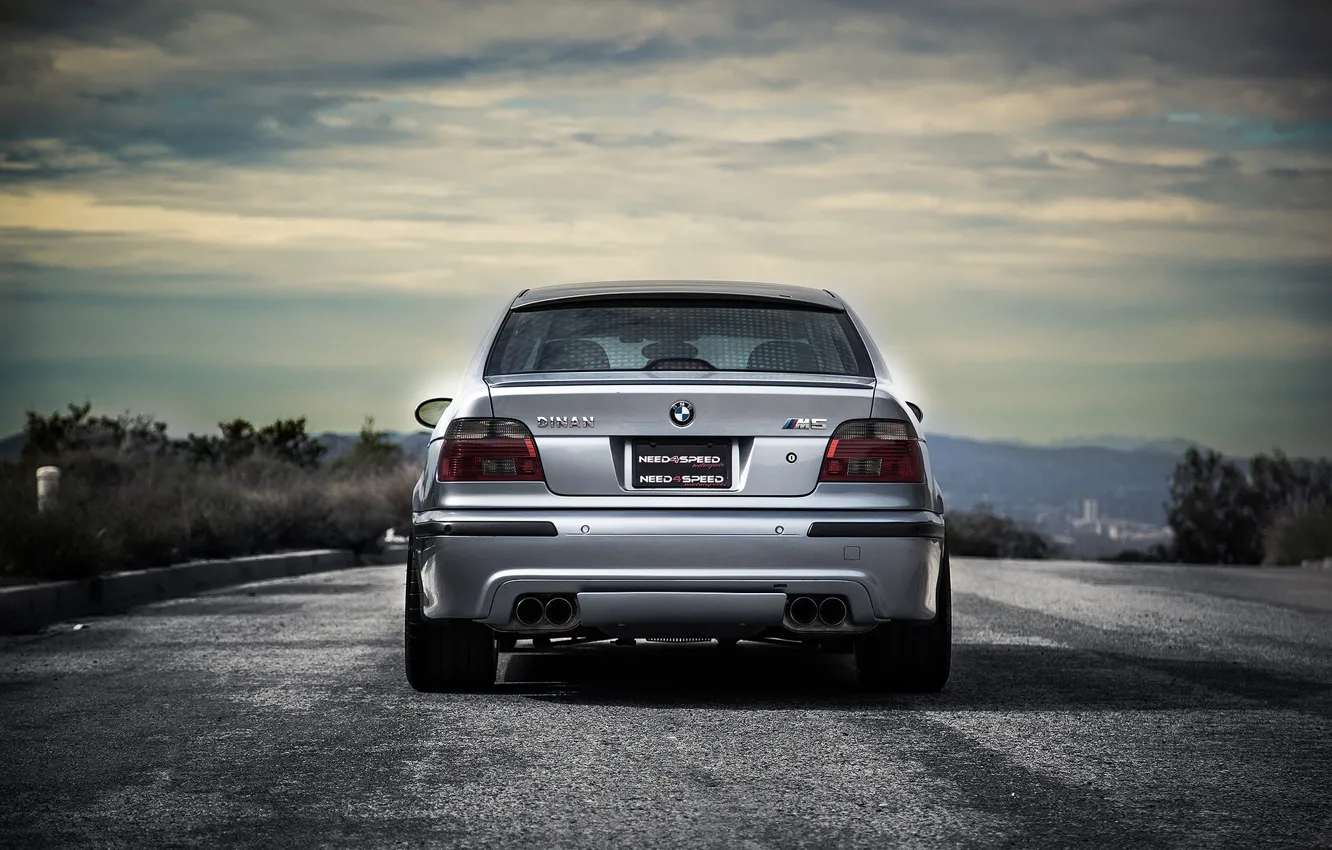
920, 417
429, 412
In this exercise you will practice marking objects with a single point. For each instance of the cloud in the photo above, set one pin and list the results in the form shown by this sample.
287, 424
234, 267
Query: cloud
1102, 184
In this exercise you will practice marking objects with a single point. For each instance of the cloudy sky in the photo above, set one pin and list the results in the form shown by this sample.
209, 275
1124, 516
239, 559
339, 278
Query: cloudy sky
1060, 219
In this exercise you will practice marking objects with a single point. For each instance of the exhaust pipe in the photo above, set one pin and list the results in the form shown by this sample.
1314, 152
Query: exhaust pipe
559, 611
803, 611
832, 611
528, 610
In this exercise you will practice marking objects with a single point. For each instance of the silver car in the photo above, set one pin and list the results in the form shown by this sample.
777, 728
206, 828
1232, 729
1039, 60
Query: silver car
689, 460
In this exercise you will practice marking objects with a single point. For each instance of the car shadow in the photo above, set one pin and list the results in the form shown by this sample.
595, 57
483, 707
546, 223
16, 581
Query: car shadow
985, 677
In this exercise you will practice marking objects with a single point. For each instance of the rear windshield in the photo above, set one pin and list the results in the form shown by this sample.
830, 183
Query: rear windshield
678, 335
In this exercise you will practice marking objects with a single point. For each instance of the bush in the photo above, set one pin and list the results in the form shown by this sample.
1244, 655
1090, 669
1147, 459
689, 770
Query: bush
982, 534
131, 497
1300, 535
125, 511
284, 440
374, 449
362, 507
54, 435
44, 545
1221, 513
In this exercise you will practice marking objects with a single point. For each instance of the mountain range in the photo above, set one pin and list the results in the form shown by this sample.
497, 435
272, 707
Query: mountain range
1172, 445
1024, 481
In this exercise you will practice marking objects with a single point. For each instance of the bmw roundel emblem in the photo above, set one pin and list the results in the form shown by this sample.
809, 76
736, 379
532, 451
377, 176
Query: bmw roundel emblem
682, 413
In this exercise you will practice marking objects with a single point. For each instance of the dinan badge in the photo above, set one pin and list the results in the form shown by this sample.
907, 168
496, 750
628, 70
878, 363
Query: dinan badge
566, 422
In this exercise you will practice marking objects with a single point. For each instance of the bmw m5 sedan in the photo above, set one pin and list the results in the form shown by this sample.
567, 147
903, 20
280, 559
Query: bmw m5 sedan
687, 460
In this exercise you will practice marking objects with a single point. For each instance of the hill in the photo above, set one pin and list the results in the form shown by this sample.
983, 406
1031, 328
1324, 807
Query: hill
1171, 445
1024, 481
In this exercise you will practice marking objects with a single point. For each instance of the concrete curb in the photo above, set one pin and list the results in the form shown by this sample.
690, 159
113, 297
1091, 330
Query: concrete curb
28, 608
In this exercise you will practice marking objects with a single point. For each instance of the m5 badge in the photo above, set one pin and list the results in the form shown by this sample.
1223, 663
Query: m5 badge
805, 425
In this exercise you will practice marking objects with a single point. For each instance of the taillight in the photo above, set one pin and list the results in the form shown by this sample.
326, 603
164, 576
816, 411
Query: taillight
489, 450
873, 450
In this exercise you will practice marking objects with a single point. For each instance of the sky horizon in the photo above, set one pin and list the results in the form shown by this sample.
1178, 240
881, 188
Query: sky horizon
1105, 217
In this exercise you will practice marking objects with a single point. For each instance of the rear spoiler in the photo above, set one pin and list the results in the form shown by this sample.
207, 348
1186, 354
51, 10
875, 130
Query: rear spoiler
753, 379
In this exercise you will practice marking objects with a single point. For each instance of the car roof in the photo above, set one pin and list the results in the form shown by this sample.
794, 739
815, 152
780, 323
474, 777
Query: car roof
641, 288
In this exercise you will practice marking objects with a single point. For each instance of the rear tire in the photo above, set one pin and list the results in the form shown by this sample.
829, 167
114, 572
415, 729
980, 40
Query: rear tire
910, 657
444, 655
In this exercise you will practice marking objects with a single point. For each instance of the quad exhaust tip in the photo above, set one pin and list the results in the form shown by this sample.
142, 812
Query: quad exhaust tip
804, 611
832, 611
559, 611
529, 610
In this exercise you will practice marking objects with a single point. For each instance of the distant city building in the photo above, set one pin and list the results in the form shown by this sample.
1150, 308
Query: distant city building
1097, 534
1091, 511
1091, 517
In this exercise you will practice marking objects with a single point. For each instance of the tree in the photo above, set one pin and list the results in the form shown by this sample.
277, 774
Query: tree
50, 437
1295, 498
1213, 511
286, 440
1220, 514
1281, 484
283, 440
373, 449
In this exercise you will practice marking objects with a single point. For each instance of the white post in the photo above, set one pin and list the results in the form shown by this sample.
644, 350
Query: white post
48, 487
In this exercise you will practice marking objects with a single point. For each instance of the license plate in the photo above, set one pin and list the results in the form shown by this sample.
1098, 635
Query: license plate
685, 465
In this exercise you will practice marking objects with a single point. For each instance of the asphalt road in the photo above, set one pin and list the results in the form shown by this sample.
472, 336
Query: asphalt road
1090, 705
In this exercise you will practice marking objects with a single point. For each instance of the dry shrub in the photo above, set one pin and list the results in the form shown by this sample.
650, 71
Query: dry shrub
980, 533
1300, 535
126, 513
362, 506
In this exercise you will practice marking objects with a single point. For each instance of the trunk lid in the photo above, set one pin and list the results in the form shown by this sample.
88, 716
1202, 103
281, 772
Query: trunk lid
621, 433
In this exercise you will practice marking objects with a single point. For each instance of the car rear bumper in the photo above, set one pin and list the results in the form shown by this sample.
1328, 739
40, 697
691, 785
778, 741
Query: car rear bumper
632, 569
